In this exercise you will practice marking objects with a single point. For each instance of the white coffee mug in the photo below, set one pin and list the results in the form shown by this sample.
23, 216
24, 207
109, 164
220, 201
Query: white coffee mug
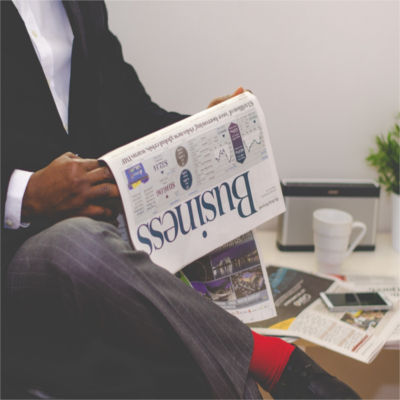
332, 229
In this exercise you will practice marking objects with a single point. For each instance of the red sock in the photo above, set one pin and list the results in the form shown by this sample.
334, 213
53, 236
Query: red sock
269, 359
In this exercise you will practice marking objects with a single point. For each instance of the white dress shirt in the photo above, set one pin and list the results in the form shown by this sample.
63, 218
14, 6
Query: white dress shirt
50, 32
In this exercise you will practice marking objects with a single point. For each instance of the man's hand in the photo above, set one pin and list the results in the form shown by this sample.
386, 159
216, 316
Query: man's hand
71, 186
223, 98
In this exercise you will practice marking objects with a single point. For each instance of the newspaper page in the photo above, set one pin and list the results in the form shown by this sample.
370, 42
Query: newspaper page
197, 184
389, 286
232, 277
301, 313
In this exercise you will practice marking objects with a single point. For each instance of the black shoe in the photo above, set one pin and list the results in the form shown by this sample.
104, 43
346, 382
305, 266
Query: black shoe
302, 378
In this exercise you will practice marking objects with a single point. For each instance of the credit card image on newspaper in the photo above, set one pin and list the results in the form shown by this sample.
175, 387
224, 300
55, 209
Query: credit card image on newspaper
136, 175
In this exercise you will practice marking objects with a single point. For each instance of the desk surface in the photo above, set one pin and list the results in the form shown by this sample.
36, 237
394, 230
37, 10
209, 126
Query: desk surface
380, 379
382, 261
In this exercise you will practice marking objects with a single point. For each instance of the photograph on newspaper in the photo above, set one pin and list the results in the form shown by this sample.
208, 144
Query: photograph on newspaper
232, 277
198, 183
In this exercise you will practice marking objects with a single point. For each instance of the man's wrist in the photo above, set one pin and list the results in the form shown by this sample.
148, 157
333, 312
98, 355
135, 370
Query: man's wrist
15, 194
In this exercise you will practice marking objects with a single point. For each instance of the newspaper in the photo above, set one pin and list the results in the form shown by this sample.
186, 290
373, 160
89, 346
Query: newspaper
301, 313
197, 184
232, 277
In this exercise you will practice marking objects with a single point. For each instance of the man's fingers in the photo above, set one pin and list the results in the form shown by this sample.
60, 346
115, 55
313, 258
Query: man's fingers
71, 155
221, 99
103, 191
218, 100
239, 90
101, 174
88, 164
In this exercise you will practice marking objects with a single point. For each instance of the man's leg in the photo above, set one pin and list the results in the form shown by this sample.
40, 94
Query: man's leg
78, 283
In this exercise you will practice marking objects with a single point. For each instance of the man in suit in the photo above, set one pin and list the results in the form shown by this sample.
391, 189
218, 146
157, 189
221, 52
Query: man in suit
85, 314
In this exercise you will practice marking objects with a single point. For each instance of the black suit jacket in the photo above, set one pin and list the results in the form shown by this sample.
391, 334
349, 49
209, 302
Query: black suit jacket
108, 105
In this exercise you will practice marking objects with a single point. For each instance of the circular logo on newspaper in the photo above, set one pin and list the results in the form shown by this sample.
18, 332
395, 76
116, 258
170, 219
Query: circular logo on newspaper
186, 179
181, 155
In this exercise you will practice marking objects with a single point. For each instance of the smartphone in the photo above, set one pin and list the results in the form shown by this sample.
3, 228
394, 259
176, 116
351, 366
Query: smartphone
355, 301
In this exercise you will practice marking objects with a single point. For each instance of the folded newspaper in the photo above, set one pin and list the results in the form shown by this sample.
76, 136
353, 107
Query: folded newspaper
300, 313
233, 278
199, 183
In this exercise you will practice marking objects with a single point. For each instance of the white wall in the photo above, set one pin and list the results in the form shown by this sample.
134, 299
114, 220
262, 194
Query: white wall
326, 72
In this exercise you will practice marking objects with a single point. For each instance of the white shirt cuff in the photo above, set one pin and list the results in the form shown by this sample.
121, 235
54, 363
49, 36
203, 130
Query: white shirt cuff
15, 194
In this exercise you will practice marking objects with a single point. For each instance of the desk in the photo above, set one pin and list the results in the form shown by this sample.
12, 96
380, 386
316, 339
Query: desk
378, 380
383, 261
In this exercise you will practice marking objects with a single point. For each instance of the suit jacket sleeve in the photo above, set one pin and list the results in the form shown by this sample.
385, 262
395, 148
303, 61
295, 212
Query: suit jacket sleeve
123, 101
108, 104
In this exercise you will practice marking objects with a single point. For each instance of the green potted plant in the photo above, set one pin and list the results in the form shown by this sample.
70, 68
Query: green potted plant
385, 158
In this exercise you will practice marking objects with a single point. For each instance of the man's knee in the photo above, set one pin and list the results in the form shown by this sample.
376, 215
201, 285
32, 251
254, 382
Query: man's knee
82, 252
66, 241
79, 228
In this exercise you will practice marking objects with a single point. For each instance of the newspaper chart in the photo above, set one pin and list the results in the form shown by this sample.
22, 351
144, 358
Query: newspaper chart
199, 183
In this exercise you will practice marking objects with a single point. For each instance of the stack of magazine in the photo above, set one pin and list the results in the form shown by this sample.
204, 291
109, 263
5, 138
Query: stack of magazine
232, 276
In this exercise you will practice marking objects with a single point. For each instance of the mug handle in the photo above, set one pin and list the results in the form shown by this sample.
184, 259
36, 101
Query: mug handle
356, 225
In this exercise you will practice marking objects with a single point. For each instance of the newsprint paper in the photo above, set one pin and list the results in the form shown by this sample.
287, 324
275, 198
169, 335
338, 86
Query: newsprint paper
233, 278
300, 313
390, 287
199, 183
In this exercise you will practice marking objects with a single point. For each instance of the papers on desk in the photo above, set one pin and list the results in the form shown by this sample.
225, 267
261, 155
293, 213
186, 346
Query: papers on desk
390, 286
300, 313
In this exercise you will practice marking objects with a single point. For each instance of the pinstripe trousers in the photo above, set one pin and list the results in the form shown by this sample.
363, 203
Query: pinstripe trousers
88, 316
